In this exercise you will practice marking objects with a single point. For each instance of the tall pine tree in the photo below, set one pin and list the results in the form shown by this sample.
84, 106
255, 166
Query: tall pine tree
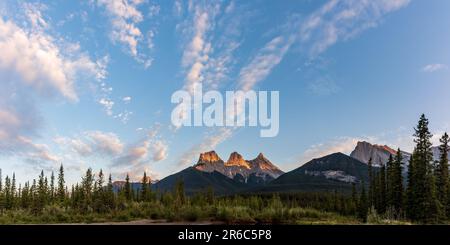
423, 203
52, 187
110, 200
397, 183
87, 183
362, 204
381, 189
371, 183
144, 196
61, 186
127, 189
389, 182
442, 175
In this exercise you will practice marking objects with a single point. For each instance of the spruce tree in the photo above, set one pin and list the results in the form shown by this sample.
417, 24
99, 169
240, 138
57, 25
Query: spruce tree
7, 193
397, 183
382, 190
110, 193
390, 182
442, 175
13, 190
127, 189
362, 204
34, 197
99, 197
61, 185
87, 183
144, 189
425, 205
52, 187
411, 203
26, 200
41, 189
371, 183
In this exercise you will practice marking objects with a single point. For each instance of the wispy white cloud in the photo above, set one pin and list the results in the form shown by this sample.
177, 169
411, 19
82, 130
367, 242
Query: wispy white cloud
341, 20
323, 85
263, 63
177, 8
105, 143
137, 157
153, 10
107, 104
41, 62
39, 155
125, 17
151, 148
92, 143
126, 99
124, 116
76, 145
197, 51
434, 67
36, 65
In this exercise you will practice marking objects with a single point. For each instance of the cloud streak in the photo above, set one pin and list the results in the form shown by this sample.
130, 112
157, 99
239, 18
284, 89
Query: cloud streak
124, 17
342, 20
434, 67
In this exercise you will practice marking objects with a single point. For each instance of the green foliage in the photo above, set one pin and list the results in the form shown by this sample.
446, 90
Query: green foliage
362, 204
423, 203
442, 176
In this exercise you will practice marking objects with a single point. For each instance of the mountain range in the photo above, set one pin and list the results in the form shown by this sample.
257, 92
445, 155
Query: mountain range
336, 171
258, 170
237, 175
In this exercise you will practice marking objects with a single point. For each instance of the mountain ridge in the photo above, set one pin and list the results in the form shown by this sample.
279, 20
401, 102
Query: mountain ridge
236, 167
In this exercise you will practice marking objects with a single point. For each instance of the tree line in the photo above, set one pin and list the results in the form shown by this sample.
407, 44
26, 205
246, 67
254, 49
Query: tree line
93, 194
423, 195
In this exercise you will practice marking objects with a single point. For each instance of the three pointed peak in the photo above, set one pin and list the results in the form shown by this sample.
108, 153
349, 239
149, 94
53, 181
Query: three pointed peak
235, 158
236, 164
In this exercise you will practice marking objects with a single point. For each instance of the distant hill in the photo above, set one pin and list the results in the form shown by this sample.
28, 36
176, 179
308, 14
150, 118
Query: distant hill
336, 171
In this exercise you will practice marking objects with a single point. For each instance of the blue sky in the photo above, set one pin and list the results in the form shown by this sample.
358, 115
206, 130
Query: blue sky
88, 83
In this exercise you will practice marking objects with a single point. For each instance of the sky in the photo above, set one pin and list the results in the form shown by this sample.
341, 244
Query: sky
89, 83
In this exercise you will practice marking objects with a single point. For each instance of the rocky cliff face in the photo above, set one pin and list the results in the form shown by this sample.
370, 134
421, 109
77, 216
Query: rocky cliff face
209, 157
236, 167
379, 153
236, 159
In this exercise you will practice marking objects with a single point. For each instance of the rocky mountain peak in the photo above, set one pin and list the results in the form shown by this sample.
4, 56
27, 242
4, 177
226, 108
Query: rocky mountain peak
264, 164
209, 157
236, 159
379, 153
